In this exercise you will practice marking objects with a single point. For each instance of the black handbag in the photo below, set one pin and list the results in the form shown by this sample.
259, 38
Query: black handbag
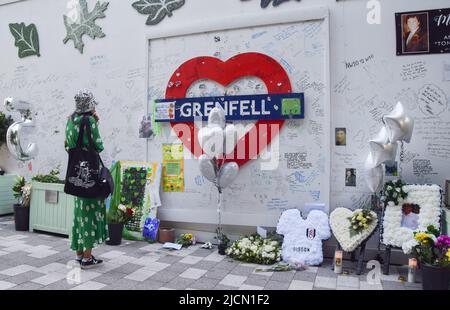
85, 178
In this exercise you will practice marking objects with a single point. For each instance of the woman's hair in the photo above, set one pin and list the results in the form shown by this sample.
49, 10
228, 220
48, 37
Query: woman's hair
75, 114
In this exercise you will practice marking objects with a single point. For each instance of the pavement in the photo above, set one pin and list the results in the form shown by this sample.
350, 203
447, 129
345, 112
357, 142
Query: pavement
38, 261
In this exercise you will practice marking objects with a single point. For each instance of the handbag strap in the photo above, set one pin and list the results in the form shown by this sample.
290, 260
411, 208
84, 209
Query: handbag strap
85, 124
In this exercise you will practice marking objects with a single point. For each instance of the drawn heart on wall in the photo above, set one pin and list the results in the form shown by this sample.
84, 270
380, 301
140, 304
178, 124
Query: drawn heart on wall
225, 73
340, 225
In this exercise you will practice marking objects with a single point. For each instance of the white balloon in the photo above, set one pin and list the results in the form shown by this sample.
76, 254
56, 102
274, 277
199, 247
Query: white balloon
231, 139
207, 168
216, 117
373, 175
400, 126
381, 150
211, 140
13, 135
227, 174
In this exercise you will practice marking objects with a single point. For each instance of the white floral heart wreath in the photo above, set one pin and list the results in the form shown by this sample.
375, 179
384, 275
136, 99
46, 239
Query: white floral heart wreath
340, 225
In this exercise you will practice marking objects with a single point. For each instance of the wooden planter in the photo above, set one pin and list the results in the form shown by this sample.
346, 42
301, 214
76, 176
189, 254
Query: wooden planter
7, 199
51, 209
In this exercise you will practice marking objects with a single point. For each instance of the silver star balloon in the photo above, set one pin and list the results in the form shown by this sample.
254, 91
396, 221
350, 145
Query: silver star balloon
400, 125
381, 150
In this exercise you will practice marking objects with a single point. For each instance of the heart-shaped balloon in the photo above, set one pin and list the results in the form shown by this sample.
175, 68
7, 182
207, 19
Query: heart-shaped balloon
216, 117
400, 126
227, 174
380, 148
231, 139
340, 225
211, 140
207, 168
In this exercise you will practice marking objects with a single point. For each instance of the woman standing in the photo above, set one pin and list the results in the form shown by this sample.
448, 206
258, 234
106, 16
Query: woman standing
89, 222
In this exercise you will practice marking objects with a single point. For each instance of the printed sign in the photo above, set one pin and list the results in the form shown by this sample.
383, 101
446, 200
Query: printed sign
237, 108
423, 32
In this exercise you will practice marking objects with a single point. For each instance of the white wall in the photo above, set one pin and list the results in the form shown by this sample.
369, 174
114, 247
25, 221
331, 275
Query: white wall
114, 68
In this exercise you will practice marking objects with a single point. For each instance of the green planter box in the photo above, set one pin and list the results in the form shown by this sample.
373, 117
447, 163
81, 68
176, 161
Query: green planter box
51, 208
7, 199
446, 221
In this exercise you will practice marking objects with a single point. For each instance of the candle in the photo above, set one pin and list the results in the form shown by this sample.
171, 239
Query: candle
338, 261
412, 268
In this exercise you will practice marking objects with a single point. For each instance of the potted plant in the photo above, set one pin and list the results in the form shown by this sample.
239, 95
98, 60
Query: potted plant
432, 251
5, 122
22, 191
223, 240
117, 218
51, 209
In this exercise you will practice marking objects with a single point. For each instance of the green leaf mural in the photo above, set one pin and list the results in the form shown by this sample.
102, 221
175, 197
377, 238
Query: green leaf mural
27, 39
157, 9
85, 24
133, 193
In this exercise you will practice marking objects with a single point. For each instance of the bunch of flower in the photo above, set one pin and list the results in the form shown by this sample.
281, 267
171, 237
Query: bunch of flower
431, 248
122, 215
394, 192
186, 239
22, 191
221, 237
255, 249
360, 220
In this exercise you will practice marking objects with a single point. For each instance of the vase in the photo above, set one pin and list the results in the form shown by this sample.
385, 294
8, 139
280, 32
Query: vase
115, 233
166, 235
435, 278
222, 247
21, 217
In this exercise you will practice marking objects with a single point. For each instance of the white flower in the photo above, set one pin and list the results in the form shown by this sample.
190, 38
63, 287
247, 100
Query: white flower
122, 208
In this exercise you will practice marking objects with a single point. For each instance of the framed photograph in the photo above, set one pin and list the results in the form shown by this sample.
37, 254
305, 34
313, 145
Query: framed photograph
422, 32
350, 177
340, 136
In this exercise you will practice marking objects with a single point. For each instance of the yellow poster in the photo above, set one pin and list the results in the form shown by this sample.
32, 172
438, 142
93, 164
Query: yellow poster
173, 168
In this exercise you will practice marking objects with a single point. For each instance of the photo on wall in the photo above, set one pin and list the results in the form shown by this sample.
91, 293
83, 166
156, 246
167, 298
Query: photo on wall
423, 32
350, 177
340, 136
391, 169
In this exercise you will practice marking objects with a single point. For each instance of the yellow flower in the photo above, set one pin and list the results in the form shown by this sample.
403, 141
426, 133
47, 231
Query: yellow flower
359, 217
188, 236
423, 237
366, 226
448, 254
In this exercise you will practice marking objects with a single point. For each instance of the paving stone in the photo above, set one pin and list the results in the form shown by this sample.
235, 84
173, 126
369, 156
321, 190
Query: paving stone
110, 277
179, 283
17, 270
90, 285
282, 276
325, 282
276, 285
169, 259
391, 285
242, 270
121, 284
205, 264
60, 285
24, 277
233, 280
305, 276
257, 280
220, 287
226, 265
203, 252
300, 285
180, 267
5, 285
164, 276
28, 286
149, 285
348, 281
193, 273
140, 275
128, 268
216, 273
326, 272
205, 283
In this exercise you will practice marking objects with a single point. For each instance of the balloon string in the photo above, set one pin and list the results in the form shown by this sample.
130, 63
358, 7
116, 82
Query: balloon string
402, 159
219, 210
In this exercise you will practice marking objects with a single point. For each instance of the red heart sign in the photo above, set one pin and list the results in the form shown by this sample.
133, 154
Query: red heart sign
243, 65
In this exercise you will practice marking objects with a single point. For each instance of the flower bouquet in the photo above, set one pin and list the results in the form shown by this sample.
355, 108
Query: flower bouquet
116, 220
360, 220
186, 240
255, 249
432, 250
394, 192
